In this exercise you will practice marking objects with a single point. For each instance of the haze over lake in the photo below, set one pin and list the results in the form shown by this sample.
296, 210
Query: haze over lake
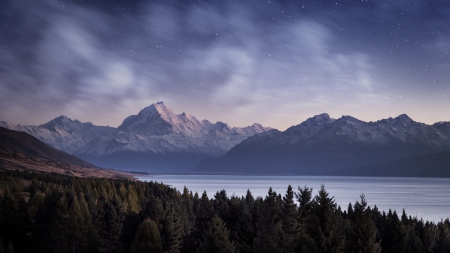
428, 198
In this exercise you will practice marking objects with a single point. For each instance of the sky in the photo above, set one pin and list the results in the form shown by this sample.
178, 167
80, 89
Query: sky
272, 62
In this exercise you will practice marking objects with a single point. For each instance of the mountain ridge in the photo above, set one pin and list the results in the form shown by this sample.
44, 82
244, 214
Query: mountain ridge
332, 145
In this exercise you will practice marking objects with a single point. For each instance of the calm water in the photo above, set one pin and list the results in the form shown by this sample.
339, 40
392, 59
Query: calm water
428, 198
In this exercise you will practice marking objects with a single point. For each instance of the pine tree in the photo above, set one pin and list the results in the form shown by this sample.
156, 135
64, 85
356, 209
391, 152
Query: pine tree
290, 225
243, 231
132, 200
171, 229
130, 226
216, 238
362, 237
147, 238
153, 210
326, 224
220, 203
269, 225
109, 224
393, 234
204, 214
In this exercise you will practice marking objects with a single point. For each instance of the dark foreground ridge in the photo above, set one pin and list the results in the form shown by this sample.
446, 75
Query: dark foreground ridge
47, 212
19, 150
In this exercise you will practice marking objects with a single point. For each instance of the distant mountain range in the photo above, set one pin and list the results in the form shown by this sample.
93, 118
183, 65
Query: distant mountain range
155, 140
21, 151
345, 146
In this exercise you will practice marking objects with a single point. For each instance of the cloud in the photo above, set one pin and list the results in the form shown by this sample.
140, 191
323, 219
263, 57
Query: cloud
290, 66
240, 58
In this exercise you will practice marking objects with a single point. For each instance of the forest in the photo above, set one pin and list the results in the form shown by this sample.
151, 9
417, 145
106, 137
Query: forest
48, 212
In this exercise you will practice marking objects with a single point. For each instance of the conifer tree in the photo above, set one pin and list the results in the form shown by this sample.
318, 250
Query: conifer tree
350, 215
147, 238
188, 203
393, 234
130, 226
132, 200
304, 198
220, 203
109, 224
326, 224
243, 232
290, 225
216, 238
269, 225
153, 210
205, 213
362, 237
171, 229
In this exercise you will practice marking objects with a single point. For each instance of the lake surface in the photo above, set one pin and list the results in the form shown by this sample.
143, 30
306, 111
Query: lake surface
428, 198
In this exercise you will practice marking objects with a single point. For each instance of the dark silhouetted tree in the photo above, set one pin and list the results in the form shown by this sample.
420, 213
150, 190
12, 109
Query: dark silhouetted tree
269, 225
326, 224
363, 232
290, 224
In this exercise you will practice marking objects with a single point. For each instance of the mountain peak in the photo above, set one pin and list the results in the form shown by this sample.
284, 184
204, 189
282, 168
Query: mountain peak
62, 117
58, 121
159, 108
321, 117
348, 118
404, 117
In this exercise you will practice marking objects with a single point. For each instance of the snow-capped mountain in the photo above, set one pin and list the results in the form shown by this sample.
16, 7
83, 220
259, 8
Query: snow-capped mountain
154, 140
63, 133
322, 145
157, 139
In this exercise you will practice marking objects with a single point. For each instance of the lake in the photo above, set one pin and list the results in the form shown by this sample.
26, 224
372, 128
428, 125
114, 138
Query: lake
428, 198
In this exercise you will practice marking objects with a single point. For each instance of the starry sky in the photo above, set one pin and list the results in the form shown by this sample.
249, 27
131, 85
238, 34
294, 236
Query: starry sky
272, 62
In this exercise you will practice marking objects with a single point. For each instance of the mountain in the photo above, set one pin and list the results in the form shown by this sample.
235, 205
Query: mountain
19, 150
324, 146
158, 140
63, 133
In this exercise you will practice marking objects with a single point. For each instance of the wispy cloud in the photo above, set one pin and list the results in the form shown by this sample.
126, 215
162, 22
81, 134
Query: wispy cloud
239, 62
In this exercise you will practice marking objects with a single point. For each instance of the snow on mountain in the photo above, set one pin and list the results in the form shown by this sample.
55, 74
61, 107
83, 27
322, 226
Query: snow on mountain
62, 133
158, 140
158, 130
